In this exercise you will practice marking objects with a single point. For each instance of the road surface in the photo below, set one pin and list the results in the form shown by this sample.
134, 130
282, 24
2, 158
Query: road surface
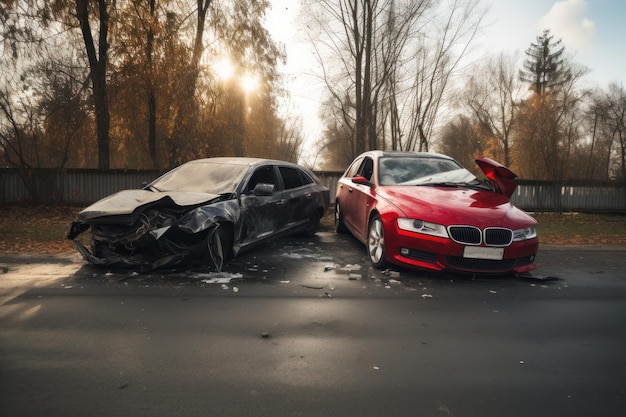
305, 327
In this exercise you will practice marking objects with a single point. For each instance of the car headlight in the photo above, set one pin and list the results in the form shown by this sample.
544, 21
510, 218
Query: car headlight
420, 226
524, 234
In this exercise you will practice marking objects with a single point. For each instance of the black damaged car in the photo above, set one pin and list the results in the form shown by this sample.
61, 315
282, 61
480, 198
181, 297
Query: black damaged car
202, 212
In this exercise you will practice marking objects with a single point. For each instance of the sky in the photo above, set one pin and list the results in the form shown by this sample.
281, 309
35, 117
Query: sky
593, 33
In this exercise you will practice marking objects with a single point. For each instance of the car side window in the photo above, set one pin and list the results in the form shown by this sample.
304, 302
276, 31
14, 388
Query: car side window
264, 174
291, 177
353, 169
367, 169
306, 178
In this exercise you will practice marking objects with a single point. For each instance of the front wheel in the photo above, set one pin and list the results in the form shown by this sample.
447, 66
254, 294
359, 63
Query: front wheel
376, 243
220, 243
340, 226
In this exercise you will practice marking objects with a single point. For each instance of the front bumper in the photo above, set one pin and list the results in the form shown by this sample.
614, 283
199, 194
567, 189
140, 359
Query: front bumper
415, 250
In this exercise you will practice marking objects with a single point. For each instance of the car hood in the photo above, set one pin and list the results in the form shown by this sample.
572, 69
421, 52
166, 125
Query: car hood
501, 176
127, 201
448, 206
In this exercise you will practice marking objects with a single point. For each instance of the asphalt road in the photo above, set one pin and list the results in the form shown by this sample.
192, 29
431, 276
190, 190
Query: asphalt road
304, 327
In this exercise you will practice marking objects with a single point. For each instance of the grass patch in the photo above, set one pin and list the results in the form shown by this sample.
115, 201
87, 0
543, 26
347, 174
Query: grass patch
581, 228
35, 229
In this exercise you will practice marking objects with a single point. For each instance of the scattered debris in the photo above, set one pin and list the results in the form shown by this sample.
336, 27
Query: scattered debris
538, 278
348, 269
313, 287
305, 253
216, 277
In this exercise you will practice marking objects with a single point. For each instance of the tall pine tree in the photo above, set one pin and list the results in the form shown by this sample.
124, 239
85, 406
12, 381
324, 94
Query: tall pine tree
545, 67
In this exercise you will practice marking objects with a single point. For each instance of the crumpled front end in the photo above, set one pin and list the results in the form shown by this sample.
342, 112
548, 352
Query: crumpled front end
155, 238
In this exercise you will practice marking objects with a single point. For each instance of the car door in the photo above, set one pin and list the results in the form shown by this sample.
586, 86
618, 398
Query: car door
263, 208
343, 197
298, 196
357, 200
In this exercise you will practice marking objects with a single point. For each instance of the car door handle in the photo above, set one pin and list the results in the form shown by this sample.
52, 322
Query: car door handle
281, 202
350, 189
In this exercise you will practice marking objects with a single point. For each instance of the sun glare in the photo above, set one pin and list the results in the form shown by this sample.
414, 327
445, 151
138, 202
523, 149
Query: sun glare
227, 72
249, 82
224, 69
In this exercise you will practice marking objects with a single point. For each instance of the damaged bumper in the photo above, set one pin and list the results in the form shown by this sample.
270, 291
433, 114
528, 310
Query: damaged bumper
154, 239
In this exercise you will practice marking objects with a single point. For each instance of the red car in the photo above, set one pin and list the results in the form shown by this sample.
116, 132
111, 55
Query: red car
424, 210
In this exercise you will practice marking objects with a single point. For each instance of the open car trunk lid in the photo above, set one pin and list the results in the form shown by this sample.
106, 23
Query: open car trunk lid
502, 177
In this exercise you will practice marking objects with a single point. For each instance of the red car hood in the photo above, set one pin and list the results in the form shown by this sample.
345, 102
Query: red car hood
127, 201
448, 206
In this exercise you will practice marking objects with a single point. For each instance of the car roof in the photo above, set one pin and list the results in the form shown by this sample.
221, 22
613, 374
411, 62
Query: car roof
241, 160
380, 154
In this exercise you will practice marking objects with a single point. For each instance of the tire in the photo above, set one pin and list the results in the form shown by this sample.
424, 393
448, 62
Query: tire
376, 243
340, 226
312, 225
220, 245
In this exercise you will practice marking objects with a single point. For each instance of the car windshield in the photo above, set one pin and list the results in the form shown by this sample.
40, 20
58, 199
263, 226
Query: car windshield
202, 177
421, 171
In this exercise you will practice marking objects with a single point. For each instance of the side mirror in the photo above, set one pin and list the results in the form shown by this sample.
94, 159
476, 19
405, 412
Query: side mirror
361, 180
262, 189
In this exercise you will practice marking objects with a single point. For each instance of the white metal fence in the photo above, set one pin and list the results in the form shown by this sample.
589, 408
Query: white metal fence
83, 187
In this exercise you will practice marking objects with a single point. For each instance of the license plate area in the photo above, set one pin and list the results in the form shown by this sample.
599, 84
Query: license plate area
480, 252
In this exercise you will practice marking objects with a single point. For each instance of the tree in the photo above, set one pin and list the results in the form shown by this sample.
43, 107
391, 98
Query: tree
492, 96
97, 55
545, 68
238, 33
339, 147
388, 66
42, 117
29, 25
615, 124
460, 140
355, 19
438, 59
598, 150
549, 132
